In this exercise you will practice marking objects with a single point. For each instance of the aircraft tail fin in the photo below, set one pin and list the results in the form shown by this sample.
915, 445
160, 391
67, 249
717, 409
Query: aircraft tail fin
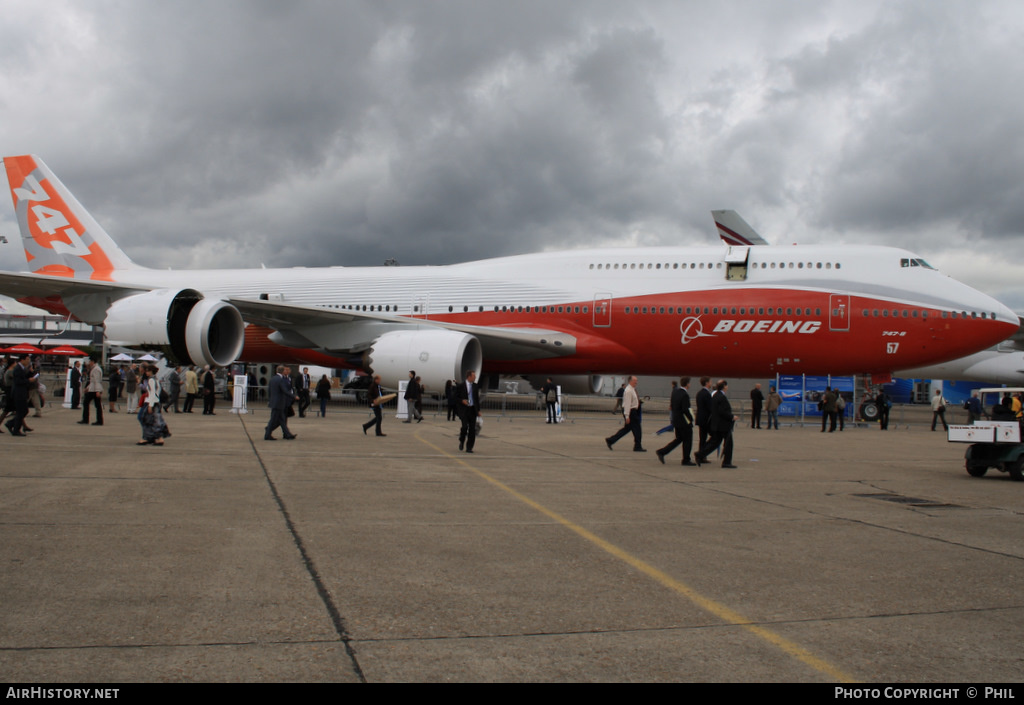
734, 230
59, 236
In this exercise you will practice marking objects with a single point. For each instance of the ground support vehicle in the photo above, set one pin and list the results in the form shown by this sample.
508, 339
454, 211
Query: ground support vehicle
994, 444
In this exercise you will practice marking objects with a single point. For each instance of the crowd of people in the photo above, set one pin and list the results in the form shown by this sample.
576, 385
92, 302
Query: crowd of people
148, 393
138, 386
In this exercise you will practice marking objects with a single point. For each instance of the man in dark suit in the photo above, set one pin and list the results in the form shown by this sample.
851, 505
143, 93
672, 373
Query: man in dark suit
209, 392
375, 392
756, 403
303, 389
703, 411
20, 377
682, 422
281, 397
412, 394
467, 395
76, 385
722, 421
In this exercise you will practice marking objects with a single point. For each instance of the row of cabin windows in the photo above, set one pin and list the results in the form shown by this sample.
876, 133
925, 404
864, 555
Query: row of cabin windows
718, 265
762, 311
387, 308
742, 311
380, 308
534, 309
905, 313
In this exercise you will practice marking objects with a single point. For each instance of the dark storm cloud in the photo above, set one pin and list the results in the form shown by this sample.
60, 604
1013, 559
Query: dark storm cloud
933, 131
240, 133
473, 130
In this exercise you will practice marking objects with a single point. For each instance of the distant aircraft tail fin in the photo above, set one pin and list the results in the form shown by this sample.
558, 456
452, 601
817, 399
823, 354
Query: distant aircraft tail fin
734, 230
59, 236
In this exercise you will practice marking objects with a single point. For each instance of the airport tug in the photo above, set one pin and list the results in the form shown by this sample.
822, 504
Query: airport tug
994, 444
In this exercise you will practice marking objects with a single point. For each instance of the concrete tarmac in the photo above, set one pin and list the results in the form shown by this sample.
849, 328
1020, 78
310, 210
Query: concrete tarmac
854, 556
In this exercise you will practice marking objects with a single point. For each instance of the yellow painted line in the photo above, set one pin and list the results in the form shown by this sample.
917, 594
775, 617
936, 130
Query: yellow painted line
716, 608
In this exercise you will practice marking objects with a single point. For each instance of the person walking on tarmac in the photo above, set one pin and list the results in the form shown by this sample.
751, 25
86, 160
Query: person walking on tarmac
682, 423
468, 396
722, 423
939, 409
376, 392
631, 414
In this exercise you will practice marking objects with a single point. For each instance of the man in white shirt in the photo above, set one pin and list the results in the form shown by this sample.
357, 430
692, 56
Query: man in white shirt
631, 414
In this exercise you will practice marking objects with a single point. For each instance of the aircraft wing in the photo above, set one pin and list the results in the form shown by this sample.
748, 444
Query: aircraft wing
295, 325
22, 284
354, 331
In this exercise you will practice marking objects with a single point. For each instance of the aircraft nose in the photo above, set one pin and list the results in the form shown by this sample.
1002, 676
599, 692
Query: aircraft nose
1002, 312
1004, 319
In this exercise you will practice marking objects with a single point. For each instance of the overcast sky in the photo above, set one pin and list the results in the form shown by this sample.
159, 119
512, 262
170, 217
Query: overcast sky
207, 134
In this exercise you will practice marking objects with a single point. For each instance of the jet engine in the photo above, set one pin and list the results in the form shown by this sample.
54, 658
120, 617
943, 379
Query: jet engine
437, 355
197, 330
571, 384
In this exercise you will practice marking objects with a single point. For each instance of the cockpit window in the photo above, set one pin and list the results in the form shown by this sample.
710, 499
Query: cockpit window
915, 262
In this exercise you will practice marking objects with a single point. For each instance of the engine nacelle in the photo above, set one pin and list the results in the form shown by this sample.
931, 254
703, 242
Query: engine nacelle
197, 330
570, 384
437, 355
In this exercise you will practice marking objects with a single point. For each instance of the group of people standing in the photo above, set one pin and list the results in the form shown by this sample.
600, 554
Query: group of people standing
21, 382
196, 382
143, 390
124, 382
757, 403
146, 393
833, 410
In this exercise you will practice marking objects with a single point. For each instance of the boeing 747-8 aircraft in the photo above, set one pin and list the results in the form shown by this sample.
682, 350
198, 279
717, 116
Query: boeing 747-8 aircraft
740, 310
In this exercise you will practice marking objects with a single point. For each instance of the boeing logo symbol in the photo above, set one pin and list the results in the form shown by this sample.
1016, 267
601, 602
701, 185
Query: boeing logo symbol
691, 328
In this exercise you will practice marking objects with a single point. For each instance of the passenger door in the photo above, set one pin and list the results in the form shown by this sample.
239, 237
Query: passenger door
839, 312
602, 310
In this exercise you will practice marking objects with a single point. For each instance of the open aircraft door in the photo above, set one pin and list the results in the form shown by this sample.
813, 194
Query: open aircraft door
839, 312
602, 310
736, 263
